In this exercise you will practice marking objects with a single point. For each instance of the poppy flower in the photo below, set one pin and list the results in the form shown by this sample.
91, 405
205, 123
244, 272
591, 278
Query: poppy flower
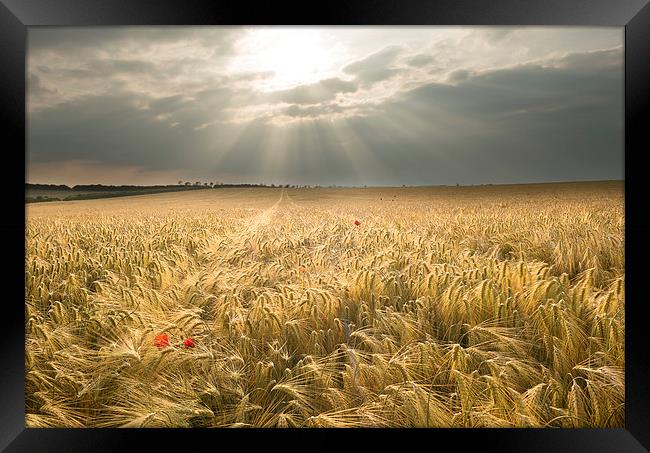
189, 342
357, 223
162, 340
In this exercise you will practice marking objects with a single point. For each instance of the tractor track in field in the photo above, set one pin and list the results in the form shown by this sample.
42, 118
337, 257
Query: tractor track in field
233, 241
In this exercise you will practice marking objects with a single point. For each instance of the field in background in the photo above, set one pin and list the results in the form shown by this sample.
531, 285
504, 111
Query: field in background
37, 193
491, 306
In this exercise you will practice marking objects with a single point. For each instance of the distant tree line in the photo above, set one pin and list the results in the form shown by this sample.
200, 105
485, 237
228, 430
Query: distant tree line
216, 185
96, 187
181, 183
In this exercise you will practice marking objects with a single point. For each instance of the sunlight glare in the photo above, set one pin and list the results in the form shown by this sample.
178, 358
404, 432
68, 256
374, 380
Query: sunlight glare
295, 55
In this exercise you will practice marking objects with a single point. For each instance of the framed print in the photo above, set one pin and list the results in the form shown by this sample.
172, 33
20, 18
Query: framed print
363, 218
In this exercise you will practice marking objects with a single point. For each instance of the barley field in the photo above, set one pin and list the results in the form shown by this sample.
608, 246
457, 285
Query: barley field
486, 306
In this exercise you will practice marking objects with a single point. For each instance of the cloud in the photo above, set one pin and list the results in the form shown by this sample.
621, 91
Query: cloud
420, 60
495, 35
530, 122
251, 75
36, 87
129, 39
297, 111
324, 90
159, 61
554, 85
328, 111
375, 67
458, 75
146, 108
585, 62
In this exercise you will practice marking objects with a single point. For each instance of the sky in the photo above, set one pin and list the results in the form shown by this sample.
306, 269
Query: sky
324, 105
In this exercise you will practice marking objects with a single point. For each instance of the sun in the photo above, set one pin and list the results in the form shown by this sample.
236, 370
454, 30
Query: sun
295, 56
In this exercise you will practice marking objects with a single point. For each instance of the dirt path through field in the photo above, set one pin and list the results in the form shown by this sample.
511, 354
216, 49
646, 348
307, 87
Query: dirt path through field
213, 253
265, 217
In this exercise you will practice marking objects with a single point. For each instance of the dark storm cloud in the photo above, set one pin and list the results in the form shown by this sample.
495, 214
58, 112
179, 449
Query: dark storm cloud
376, 67
110, 129
525, 123
121, 130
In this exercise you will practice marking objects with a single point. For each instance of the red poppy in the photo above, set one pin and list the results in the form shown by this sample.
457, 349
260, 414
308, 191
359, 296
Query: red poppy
188, 342
357, 223
162, 340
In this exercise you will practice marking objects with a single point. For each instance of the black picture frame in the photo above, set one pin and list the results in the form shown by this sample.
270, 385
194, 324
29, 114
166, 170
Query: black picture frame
17, 15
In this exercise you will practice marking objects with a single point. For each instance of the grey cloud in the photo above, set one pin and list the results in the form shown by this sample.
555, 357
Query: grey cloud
41, 39
375, 67
248, 76
458, 75
93, 61
115, 131
604, 59
200, 108
108, 129
338, 85
36, 88
106, 67
168, 103
495, 35
312, 111
112, 39
525, 123
94, 69
420, 60
324, 90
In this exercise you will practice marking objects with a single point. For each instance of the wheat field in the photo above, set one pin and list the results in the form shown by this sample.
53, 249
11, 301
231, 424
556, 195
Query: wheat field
486, 306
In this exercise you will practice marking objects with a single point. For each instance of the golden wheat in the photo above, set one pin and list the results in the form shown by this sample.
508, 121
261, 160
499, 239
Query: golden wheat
467, 307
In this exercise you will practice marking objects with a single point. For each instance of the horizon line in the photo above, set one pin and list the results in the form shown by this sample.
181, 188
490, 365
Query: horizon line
358, 186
